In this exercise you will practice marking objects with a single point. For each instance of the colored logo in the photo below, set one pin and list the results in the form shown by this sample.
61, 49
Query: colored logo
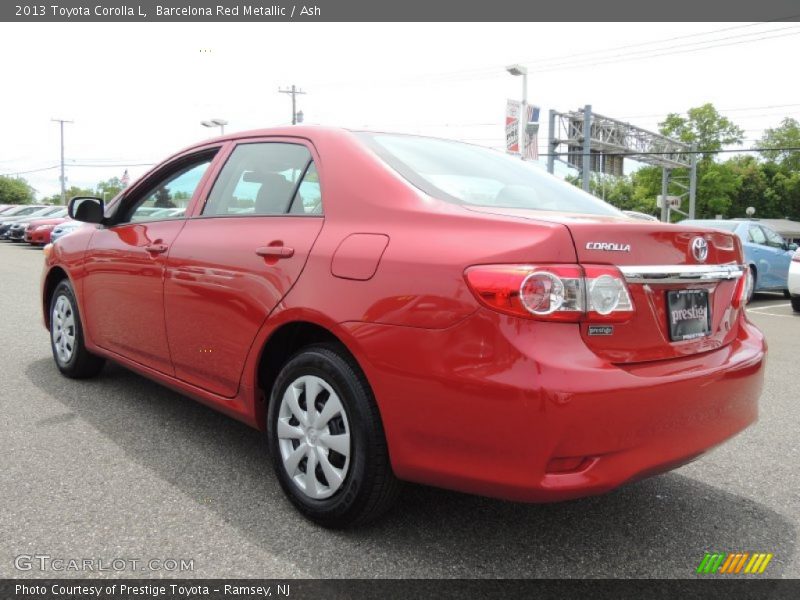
734, 563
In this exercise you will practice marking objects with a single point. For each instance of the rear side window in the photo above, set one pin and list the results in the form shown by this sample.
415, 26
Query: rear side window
757, 236
263, 179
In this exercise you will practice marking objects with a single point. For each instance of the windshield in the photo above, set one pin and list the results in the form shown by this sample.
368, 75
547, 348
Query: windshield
476, 176
712, 223
21, 212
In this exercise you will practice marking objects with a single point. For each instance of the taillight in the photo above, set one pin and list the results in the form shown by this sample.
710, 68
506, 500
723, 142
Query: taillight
742, 289
553, 292
607, 296
796, 256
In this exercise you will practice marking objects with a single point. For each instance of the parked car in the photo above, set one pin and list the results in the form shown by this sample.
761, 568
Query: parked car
25, 214
392, 307
38, 231
17, 231
766, 253
66, 227
640, 215
794, 281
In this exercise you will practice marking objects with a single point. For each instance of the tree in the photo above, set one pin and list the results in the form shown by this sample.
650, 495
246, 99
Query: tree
786, 135
109, 188
702, 126
71, 192
15, 191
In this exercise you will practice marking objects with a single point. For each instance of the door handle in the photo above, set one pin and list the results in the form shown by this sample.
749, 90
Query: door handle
156, 248
275, 251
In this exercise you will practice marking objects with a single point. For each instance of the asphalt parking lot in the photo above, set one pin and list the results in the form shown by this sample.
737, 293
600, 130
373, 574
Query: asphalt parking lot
119, 467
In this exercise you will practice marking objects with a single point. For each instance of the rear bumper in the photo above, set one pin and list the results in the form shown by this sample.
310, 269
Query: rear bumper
523, 410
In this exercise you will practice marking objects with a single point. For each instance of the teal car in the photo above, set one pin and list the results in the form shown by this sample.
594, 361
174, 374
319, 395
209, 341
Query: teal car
767, 254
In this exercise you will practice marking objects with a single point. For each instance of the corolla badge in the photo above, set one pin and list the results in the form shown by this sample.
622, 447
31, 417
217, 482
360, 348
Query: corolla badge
699, 249
608, 246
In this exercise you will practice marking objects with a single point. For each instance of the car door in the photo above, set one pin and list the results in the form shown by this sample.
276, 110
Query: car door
238, 256
123, 289
779, 258
756, 252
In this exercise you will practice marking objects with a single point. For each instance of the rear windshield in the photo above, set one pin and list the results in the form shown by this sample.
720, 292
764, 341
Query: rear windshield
712, 224
476, 176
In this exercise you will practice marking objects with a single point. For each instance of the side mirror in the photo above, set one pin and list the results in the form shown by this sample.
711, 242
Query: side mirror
87, 209
793, 247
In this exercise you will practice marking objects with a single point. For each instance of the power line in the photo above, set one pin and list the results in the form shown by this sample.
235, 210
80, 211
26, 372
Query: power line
30, 171
634, 56
722, 151
496, 70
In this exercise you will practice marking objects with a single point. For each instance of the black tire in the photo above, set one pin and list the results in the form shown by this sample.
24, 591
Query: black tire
796, 303
369, 486
80, 364
753, 281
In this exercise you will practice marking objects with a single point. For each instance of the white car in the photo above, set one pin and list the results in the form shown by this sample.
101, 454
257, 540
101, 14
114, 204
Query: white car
794, 281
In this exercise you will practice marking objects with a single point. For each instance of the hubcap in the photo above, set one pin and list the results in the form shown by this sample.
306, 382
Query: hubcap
314, 437
62, 329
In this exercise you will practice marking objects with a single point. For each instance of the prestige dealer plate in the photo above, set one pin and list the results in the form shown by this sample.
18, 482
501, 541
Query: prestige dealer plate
688, 314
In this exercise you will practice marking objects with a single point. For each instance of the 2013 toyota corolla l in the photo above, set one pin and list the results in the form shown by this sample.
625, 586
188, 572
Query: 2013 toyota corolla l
390, 307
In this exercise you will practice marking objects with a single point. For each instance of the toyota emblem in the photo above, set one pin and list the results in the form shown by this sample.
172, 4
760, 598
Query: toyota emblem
700, 249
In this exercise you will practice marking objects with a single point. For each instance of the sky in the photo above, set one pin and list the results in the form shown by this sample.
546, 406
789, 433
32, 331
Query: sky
137, 92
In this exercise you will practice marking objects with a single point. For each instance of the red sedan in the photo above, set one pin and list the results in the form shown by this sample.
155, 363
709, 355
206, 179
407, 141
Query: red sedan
38, 232
390, 307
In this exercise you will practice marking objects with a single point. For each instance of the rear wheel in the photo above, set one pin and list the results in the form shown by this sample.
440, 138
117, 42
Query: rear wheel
327, 441
66, 336
796, 303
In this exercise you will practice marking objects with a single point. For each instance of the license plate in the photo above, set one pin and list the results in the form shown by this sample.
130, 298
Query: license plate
688, 314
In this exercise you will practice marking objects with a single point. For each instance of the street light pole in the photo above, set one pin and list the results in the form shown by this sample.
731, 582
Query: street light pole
215, 123
522, 70
63, 178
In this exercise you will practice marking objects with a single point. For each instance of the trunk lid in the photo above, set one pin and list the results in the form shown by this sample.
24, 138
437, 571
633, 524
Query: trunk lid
655, 258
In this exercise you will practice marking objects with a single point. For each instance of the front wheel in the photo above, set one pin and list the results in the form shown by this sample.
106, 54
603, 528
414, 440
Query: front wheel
796, 303
327, 441
66, 336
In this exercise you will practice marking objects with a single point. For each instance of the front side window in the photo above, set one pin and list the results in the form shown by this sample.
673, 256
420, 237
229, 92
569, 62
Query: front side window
773, 239
260, 179
475, 176
170, 197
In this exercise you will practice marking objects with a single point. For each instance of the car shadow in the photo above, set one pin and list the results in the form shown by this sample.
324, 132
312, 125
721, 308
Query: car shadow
659, 527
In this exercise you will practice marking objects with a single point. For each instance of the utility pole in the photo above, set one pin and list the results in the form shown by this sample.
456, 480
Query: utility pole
665, 173
63, 179
294, 91
586, 167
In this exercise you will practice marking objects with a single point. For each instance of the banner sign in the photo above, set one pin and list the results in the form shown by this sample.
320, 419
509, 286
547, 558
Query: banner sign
532, 132
513, 108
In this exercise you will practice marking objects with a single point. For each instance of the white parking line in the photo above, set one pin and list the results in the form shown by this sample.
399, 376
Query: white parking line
769, 306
